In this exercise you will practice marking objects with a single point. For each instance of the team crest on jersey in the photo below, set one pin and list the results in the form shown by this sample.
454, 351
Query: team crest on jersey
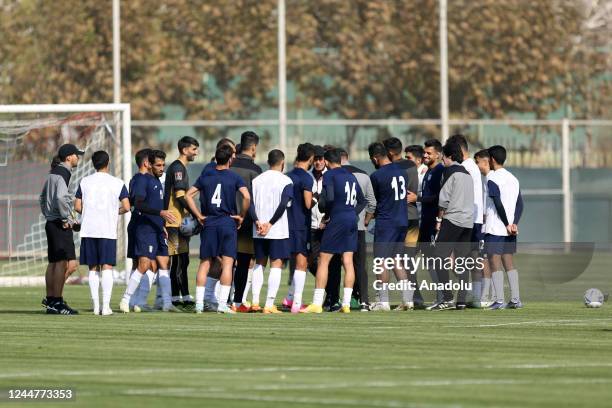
178, 176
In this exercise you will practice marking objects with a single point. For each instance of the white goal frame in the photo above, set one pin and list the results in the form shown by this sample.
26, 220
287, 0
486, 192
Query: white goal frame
125, 135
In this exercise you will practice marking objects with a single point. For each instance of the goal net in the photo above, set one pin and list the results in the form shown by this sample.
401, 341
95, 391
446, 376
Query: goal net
29, 138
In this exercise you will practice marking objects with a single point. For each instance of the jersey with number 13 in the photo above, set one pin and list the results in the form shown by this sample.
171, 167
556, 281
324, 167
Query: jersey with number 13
390, 189
218, 196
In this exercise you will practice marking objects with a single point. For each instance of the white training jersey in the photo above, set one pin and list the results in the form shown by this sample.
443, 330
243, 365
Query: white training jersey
472, 168
315, 215
267, 192
100, 194
509, 188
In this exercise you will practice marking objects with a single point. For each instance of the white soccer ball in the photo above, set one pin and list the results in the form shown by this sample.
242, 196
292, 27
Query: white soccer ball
189, 227
593, 298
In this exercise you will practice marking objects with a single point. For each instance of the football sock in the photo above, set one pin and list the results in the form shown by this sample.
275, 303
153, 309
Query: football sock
107, 287
274, 280
299, 279
384, 296
498, 285
257, 283
94, 285
224, 291
476, 290
175, 265
346, 296
434, 278
183, 277
165, 286
513, 280
247, 287
407, 293
317, 298
132, 285
200, 296
291, 290
486, 289
211, 284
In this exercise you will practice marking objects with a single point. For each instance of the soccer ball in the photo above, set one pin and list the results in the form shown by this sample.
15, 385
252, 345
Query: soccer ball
190, 227
593, 298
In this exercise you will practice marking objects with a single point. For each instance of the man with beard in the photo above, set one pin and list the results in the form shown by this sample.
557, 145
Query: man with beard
176, 184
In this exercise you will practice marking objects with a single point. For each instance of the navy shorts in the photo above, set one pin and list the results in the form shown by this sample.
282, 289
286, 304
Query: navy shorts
389, 241
500, 245
299, 242
218, 241
149, 244
98, 251
272, 248
339, 237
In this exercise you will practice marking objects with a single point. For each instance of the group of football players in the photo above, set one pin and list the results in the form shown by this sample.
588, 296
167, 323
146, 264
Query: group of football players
434, 200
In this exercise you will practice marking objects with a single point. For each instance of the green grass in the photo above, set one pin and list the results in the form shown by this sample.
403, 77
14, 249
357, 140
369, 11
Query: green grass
548, 354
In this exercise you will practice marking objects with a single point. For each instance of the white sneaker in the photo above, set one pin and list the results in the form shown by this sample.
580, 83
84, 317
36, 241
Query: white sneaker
402, 307
380, 307
124, 306
107, 311
170, 308
485, 303
96, 311
225, 309
145, 308
199, 308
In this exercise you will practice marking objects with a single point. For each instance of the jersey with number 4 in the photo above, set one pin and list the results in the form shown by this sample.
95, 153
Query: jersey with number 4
218, 196
343, 189
390, 188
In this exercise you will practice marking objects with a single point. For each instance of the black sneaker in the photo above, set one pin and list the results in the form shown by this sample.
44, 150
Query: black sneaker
188, 306
460, 306
64, 309
43, 302
364, 307
419, 306
335, 307
51, 307
177, 303
442, 306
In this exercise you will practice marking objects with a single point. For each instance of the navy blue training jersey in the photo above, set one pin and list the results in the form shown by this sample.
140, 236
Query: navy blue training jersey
299, 215
390, 188
218, 196
343, 190
432, 183
150, 189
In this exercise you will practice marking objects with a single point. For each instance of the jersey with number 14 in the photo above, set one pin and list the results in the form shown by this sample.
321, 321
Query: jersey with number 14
390, 188
218, 196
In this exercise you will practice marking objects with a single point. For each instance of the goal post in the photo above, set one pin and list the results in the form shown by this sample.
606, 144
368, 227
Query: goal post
29, 138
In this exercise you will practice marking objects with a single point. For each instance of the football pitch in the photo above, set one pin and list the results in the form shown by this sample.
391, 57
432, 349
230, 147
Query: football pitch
547, 354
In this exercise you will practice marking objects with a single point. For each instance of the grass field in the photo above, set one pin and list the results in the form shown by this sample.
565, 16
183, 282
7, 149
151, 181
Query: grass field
548, 354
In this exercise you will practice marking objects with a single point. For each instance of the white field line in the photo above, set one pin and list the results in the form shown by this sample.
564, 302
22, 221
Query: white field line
536, 322
222, 370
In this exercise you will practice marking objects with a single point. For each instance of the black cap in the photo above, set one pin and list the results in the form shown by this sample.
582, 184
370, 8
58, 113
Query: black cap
67, 150
319, 151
